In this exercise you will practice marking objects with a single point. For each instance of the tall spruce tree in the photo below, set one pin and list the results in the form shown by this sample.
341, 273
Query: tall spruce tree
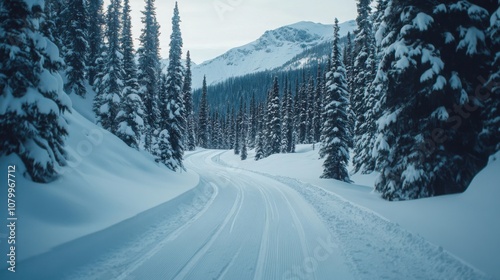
237, 129
317, 106
301, 107
274, 119
335, 144
363, 73
203, 117
287, 130
76, 56
427, 140
95, 37
109, 96
490, 136
32, 122
172, 100
149, 72
190, 140
130, 118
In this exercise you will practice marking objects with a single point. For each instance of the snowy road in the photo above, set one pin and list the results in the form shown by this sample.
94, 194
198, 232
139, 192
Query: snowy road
238, 224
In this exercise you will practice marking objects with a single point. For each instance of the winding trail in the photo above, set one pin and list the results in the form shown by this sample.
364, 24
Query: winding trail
239, 224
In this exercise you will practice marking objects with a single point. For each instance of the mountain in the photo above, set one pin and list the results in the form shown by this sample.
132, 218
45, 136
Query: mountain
272, 50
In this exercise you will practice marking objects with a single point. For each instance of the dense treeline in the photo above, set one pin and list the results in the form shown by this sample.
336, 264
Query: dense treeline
413, 94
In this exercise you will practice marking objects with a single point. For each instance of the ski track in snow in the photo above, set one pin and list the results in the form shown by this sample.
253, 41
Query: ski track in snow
240, 224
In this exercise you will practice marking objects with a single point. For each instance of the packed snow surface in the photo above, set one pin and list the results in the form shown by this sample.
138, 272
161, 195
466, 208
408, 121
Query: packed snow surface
271, 219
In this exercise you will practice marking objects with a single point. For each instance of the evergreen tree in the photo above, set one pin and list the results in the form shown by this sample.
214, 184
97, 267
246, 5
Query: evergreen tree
237, 130
427, 140
130, 117
252, 123
95, 38
317, 105
310, 92
172, 100
49, 26
203, 117
32, 122
362, 77
188, 105
490, 136
287, 141
243, 133
274, 119
335, 133
149, 72
302, 111
109, 96
259, 149
76, 56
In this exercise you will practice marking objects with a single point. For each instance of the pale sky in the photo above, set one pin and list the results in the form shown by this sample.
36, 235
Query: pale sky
211, 27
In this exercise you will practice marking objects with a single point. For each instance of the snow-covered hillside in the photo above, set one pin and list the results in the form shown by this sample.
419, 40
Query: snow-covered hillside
271, 50
104, 183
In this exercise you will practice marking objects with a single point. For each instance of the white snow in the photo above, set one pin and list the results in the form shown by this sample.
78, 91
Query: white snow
465, 225
422, 21
271, 219
104, 183
470, 40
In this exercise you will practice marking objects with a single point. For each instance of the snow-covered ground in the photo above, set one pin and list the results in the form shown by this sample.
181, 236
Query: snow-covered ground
242, 224
104, 183
466, 225
115, 214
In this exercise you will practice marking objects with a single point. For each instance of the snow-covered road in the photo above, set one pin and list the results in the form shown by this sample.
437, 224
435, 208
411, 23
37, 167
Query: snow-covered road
238, 224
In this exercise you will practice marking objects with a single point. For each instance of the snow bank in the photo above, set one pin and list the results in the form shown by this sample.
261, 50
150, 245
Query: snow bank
466, 225
104, 183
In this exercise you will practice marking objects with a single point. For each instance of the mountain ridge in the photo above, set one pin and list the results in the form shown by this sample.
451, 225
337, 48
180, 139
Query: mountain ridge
272, 50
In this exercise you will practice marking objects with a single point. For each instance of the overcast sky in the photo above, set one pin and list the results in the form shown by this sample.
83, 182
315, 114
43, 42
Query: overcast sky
211, 27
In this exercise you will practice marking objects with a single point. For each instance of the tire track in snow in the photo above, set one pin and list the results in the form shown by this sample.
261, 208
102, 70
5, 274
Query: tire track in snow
261, 260
172, 236
186, 269
378, 248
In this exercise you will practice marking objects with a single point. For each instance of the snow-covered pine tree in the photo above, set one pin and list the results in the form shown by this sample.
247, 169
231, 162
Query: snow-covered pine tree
302, 111
349, 62
130, 122
374, 92
284, 119
252, 123
311, 93
243, 132
287, 130
237, 129
149, 72
427, 140
109, 96
32, 122
49, 26
190, 141
172, 100
362, 77
317, 105
203, 117
274, 119
95, 37
77, 50
335, 131
490, 136
259, 148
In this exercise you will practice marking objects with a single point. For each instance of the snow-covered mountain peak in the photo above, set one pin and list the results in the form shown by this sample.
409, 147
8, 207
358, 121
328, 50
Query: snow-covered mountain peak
273, 49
